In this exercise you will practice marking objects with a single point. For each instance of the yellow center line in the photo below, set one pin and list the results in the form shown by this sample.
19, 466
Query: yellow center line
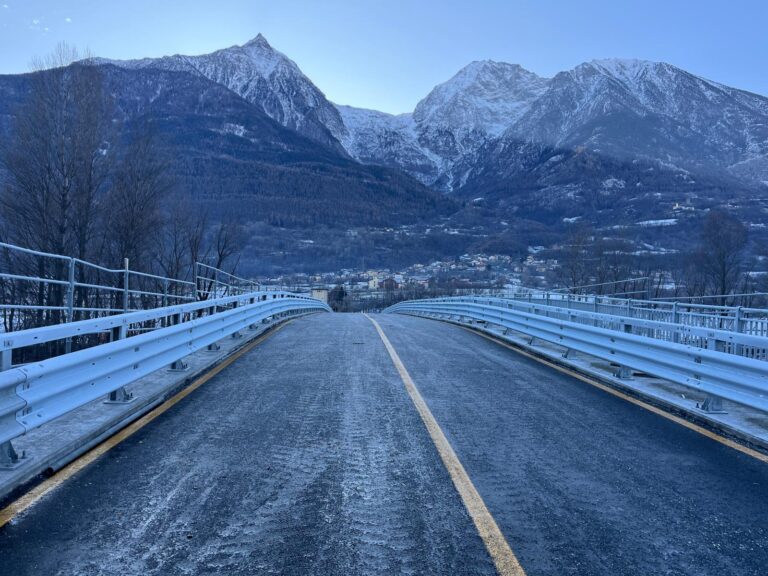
34, 495
505, 560
636, 401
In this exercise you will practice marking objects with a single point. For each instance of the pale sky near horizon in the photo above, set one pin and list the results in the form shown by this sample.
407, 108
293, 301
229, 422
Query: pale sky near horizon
388, 54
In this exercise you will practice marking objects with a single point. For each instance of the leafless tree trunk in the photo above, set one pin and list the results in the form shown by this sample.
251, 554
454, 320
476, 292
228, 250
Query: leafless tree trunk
721, 252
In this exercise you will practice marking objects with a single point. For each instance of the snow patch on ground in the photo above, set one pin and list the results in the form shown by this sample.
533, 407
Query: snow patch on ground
656, 223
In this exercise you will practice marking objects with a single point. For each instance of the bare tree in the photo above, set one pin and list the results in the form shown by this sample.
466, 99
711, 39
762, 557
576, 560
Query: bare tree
721, 252
573, 270
134, 202
56, 164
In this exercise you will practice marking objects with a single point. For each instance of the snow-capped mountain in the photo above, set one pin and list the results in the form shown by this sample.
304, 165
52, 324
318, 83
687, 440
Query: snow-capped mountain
627, 109
632, 108
455, 119
262, 76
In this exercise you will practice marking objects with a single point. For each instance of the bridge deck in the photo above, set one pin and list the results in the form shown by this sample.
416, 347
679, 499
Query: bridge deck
307, 456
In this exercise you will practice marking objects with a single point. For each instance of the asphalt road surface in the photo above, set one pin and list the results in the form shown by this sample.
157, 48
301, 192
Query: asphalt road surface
307, 456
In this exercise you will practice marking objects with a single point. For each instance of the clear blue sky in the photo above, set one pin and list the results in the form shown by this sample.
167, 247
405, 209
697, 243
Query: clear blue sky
387, 54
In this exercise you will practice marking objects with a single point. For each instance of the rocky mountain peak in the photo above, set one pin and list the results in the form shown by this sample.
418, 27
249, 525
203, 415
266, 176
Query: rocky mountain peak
484, 95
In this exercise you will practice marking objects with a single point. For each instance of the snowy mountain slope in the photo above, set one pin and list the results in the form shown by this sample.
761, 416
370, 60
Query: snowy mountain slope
265, 77
487, 96
455, 119
622, 108
648, 109
626, 109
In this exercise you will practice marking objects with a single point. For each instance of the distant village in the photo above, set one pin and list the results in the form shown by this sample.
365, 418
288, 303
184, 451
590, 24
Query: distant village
469, 273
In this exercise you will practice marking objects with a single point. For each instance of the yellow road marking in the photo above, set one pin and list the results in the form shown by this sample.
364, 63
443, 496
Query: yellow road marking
505, 560
31, 497
676, 419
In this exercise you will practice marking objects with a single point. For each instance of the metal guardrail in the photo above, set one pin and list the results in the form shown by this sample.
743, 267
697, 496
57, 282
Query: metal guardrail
732, 318
34, 394
720, 363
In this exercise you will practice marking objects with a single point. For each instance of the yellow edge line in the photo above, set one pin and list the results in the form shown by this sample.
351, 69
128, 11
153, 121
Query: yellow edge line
505, 560
31, 497
637, 402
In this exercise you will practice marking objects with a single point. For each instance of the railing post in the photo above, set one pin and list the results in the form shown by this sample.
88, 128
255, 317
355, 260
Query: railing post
126, 283
676, 322
165, 292
70, 302
738, 326
197, 281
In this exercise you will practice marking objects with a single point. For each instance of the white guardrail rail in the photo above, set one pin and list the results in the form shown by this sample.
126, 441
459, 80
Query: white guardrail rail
34, 394
720, 363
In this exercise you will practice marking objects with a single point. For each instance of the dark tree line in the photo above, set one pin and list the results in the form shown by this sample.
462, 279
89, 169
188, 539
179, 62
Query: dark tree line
77, 181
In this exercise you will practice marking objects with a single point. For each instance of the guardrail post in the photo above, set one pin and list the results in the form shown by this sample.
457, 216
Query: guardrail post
213, 346
623, 373
70, 301
126, 283
121, 395
9, 458
252, 301
711, 405
179, 365
237, 334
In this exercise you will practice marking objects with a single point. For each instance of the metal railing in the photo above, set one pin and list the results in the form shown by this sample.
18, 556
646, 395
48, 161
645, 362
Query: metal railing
34, 394
720, 362
741, 319
212, 282
40, 288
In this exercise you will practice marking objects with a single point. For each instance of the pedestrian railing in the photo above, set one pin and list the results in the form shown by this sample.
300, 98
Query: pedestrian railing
41, 289
34, 394
721, 363
731, 318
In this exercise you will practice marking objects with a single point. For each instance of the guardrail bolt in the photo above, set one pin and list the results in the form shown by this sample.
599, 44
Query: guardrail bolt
214, 347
